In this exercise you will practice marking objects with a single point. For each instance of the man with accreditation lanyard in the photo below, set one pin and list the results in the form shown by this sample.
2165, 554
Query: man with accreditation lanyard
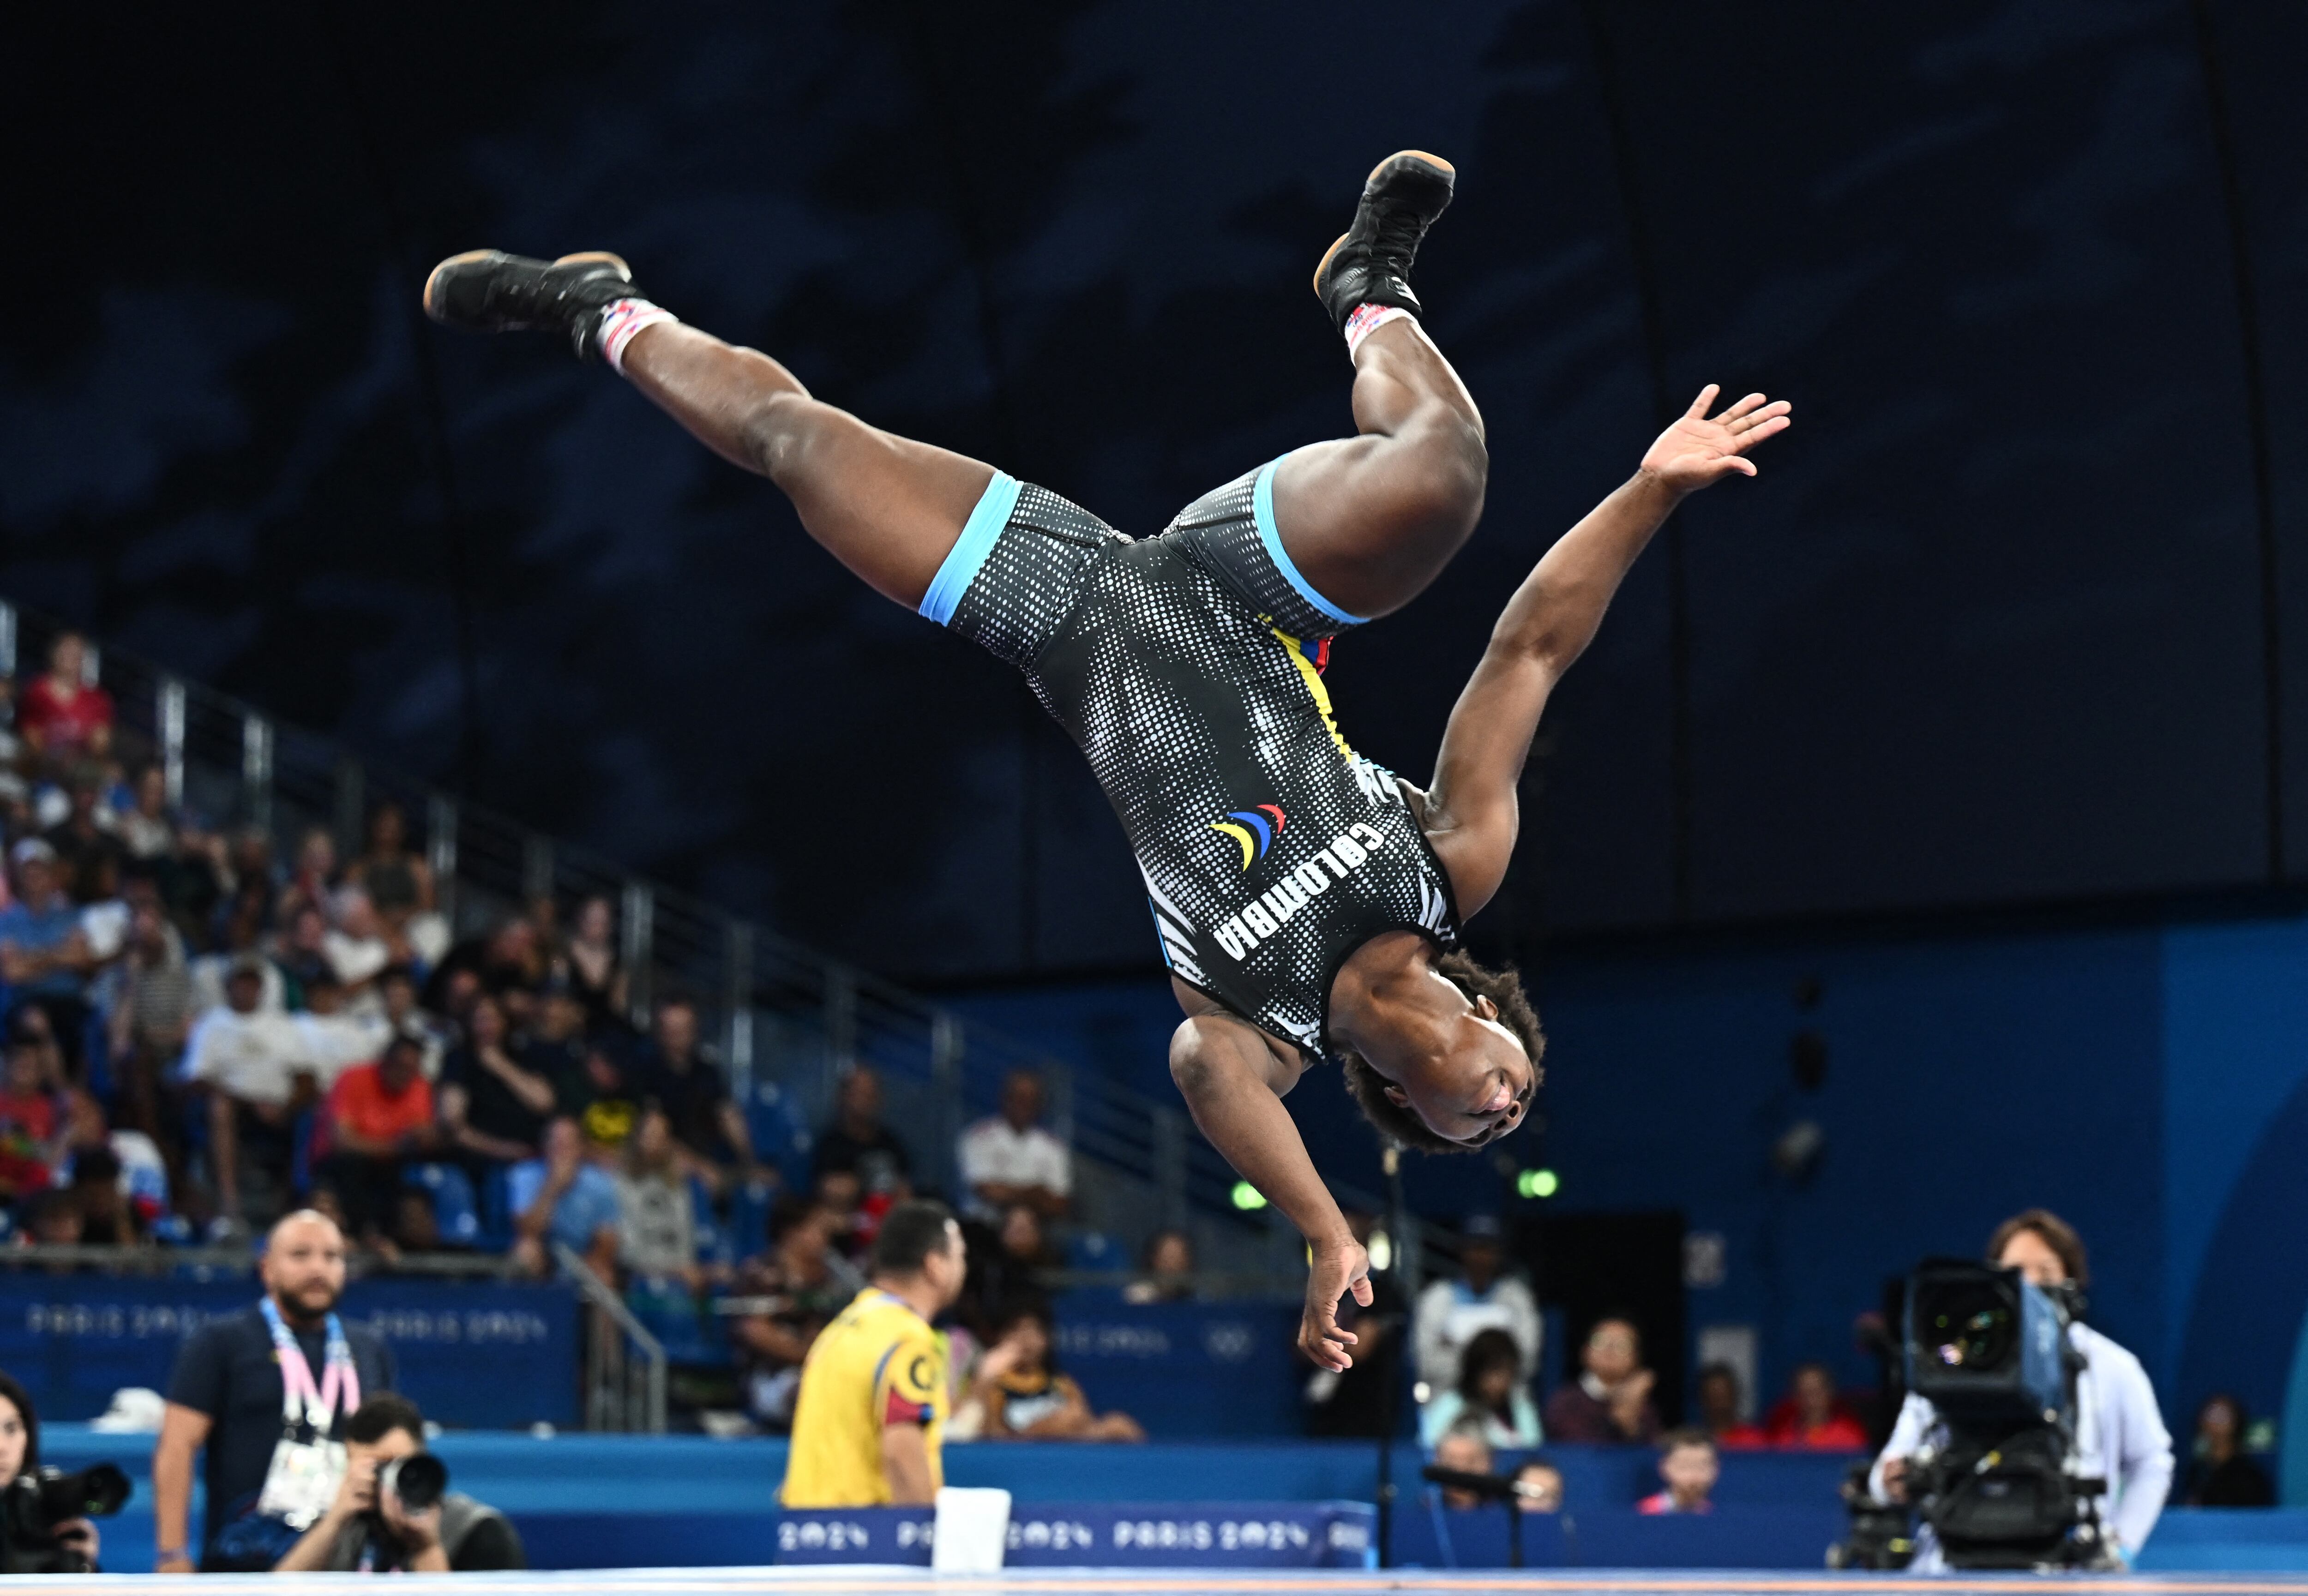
247, 1388
872, 1410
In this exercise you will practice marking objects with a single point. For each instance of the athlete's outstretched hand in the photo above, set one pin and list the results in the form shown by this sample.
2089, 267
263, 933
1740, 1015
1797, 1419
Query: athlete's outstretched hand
1337, 1268
1697, 453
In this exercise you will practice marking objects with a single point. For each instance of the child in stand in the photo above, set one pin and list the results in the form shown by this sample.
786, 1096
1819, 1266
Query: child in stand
1023, 1396
1689, 1467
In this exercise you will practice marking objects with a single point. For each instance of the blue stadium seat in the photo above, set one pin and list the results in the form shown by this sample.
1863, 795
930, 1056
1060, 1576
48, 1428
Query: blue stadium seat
712, 1244
456, 1214
667, 1310
781, 1136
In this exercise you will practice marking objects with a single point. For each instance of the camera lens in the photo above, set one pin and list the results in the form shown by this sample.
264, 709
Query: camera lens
1970, 1327
417, 1482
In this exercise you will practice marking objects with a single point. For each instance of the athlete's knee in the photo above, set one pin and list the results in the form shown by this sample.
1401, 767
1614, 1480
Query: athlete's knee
1451, 473
778, 430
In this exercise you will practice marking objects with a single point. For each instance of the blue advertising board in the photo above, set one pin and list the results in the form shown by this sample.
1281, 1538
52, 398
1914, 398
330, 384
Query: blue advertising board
472, 1354
1103, 1535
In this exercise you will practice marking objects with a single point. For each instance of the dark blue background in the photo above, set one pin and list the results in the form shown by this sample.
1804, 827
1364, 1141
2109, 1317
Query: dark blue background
1994, 627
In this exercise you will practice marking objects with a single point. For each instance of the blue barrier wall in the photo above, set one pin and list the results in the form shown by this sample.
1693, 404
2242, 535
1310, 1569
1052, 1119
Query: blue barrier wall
480, 1354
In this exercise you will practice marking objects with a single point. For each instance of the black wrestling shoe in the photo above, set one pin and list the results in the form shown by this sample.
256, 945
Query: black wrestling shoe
486, 290
1371, 263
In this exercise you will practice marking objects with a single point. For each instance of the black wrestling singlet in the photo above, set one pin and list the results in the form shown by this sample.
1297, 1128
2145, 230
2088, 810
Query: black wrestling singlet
1187, 667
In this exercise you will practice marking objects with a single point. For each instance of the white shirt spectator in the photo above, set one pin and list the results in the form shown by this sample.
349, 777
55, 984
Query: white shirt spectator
2120, 1435
208, 972
257, 1057
1450, 1313
996, 1153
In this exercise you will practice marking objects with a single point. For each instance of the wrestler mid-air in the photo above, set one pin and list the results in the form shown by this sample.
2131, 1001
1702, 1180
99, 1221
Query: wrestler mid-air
1308, 900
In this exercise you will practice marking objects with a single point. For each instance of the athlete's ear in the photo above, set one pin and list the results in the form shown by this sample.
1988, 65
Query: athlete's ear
1396, 1096
1485, 1009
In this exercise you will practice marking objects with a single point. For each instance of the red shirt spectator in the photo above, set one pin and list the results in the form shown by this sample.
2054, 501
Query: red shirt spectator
366, 1103
59, 715
1809, 1419
28, 1122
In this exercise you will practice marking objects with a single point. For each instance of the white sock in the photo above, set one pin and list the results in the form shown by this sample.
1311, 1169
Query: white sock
1366, 319
621, 323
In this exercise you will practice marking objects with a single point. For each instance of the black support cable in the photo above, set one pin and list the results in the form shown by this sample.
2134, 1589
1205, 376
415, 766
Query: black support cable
1650, 311
2256, 420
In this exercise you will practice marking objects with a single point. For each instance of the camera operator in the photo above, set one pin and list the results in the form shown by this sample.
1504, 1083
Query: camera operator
388, 1519
20, 1455
2120, 1435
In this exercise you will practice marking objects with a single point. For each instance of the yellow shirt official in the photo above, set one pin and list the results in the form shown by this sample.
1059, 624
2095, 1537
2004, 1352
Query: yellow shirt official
879, 1363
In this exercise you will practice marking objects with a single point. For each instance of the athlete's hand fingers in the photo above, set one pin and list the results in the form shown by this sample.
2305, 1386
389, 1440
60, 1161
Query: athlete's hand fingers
1362, 1291
1732, 414
1744, 441
1699, 405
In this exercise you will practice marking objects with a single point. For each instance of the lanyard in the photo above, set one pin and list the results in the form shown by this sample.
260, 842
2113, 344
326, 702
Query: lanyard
339, 1382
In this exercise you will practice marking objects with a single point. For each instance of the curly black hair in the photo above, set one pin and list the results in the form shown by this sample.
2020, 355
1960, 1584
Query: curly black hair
1368, 1087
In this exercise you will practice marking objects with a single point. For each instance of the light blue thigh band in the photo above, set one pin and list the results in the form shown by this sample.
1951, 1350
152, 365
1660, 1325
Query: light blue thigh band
1262, 509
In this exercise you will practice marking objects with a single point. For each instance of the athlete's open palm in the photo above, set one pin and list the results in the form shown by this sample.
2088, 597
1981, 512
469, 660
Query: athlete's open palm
1697, 453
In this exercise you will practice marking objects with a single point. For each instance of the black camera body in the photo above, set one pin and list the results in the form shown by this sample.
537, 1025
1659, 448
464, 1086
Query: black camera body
33, 1505
1991, 1353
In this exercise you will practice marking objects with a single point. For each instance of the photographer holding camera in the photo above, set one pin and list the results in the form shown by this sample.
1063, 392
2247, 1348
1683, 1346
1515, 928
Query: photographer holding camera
44, 1523
393, 1512
2118, 1434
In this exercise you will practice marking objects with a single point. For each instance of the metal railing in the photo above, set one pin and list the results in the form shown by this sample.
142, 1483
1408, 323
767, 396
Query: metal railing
791, 1022
625, 1366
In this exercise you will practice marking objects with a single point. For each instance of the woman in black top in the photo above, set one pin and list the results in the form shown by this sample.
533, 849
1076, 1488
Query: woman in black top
2221, 1474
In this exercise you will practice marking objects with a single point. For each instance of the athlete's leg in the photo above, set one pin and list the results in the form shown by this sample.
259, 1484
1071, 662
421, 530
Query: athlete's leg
886, 507
1370, 520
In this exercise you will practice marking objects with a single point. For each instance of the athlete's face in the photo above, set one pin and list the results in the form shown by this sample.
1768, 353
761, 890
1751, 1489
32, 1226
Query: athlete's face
1476, 1085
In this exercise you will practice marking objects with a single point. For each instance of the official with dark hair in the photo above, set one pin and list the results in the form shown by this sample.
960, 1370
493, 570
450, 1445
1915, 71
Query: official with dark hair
871, 1415
2119, 1434
370, 1528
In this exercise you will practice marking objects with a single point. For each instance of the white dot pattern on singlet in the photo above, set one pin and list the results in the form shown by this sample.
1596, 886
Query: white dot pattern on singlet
1270, 850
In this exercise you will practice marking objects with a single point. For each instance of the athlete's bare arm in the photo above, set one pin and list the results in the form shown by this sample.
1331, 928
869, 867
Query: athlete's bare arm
1471, 811
1233, 1077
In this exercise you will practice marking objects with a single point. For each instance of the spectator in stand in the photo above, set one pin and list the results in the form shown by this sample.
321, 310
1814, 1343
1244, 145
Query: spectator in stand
1610, 1401
43, 955
797, 1286
676, 1075
656, 1224
1811, 1417
151, 1014
28, 1120
1009, 1158
840, 1193
147, 829
1482, 1296
2221, 1473
505, 961
1539, 1487
52, 1218
493, 1108
1026, 1246
102, 1211
260, 1070
1717, 1394
354, 944
1024, 1395
136, 1169
396, 1008
192, 880
302, 951
89, 854
555, 1048
1688, 1468
859, 1143
1166, 1267
593, 967
1465, 1450
1488, 1393
1361, 1402
313, 880
565, 1198
253, 869
63, 715
378, 1120
397, 881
